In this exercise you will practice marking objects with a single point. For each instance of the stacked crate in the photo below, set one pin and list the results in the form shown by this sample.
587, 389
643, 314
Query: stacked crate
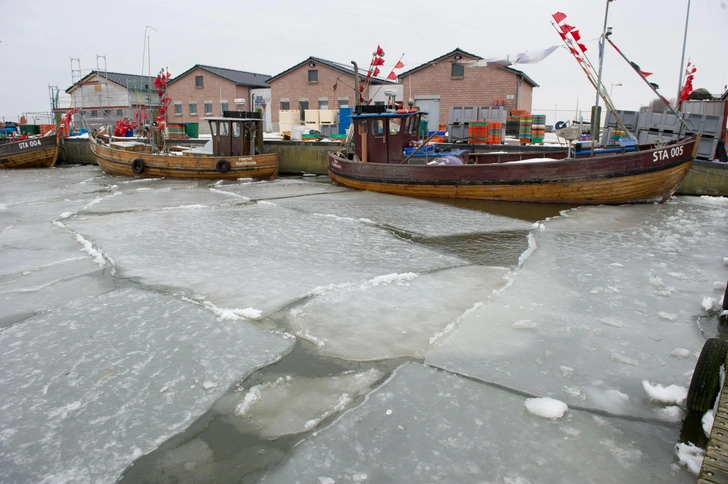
496, 117
328, 120
312, 119
657, 124
287, 119
176, 131
478, 132
538, 129
708, 119
458, 122
525, 128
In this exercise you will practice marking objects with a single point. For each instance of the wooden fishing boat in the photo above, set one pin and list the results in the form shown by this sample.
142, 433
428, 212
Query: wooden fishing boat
39, 152
235, 151
377, 162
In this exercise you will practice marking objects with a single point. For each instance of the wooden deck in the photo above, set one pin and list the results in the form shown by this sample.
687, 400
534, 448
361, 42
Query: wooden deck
715, 464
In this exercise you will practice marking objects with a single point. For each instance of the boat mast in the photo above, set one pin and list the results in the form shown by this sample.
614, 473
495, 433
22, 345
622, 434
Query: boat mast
595, 112
682, 60
356, 84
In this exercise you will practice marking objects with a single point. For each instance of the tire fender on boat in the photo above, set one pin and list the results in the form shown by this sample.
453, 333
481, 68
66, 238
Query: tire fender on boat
223, 166
138, 166
705, 383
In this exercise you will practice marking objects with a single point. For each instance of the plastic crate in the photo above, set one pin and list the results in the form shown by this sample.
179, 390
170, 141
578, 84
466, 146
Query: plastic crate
706, 148
462, 114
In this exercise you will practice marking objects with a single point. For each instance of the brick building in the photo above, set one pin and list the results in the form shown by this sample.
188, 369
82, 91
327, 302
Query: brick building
444, 82
318, 84
204, 91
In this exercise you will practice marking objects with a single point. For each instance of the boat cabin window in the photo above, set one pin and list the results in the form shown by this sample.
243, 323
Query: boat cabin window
224, 128
236, 130
213, 128
408, 125
394, 125
377, 127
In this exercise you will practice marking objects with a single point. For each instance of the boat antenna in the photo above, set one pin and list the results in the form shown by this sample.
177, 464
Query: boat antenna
682, 59
652, 86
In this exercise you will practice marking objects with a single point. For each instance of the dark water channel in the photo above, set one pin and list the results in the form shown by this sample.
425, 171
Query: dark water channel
245, 457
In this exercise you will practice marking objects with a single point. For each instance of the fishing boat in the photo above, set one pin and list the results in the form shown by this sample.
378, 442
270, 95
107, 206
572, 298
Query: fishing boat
235, 151
614, 175
33, 152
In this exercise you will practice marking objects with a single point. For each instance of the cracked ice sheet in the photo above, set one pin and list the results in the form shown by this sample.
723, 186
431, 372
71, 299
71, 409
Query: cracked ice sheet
425, 425
41, 267
35, 186
254, 255
101, 381
416, 216
609, 297
392, 316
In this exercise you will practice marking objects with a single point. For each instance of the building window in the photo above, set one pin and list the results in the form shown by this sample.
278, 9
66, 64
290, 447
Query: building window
178, 108
323, 104
458, 70
208, 108
107, 112
119, 112
285, 105
313, 76
193, 108
223, 106
94, 113
344, 103
303, 106
198, 81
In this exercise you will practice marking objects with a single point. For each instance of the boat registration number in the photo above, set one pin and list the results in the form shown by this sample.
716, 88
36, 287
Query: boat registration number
29, 144
245, 162
666, 154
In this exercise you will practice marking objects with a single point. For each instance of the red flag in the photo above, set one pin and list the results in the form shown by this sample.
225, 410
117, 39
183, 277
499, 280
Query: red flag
361, 87
392, 76
376, 71
558, 17
576, 35
399, 65
645, 74
566, 28
582, 47
369, 74
378, 61
379, 52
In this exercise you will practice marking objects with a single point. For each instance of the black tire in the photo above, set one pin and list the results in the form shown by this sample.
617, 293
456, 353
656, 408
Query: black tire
223, 166
138, 166
705, 384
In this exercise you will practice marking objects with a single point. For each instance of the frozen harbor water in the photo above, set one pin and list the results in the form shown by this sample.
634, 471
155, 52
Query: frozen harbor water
296, 331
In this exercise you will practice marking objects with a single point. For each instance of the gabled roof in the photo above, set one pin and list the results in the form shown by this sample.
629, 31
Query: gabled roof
459, 51
117, 78
343, 68
240, 78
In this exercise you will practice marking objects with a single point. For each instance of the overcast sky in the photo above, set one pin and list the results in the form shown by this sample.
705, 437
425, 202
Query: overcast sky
39, 38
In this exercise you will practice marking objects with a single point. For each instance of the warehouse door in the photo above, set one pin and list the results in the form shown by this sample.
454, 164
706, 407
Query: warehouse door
430, 105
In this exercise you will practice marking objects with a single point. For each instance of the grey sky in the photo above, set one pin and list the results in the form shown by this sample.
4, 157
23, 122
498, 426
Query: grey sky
39, 38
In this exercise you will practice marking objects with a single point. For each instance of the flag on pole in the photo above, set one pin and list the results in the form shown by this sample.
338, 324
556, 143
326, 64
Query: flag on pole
558, 17
379, 52
392, 76
399, 65
378, 61
376, 71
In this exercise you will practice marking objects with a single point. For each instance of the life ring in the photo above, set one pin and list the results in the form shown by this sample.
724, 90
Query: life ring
138, 166
705, 383
405, 111
560, 125
223, 166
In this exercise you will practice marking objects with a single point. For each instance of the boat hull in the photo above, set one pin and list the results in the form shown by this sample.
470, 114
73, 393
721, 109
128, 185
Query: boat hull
120, 162
30, 153
636, 177
705, 178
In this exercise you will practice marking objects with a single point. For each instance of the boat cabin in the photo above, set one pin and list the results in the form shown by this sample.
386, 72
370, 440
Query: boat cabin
237, 133
382, 137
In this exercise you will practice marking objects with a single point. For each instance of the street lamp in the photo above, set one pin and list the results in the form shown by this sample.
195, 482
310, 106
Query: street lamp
612, 87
